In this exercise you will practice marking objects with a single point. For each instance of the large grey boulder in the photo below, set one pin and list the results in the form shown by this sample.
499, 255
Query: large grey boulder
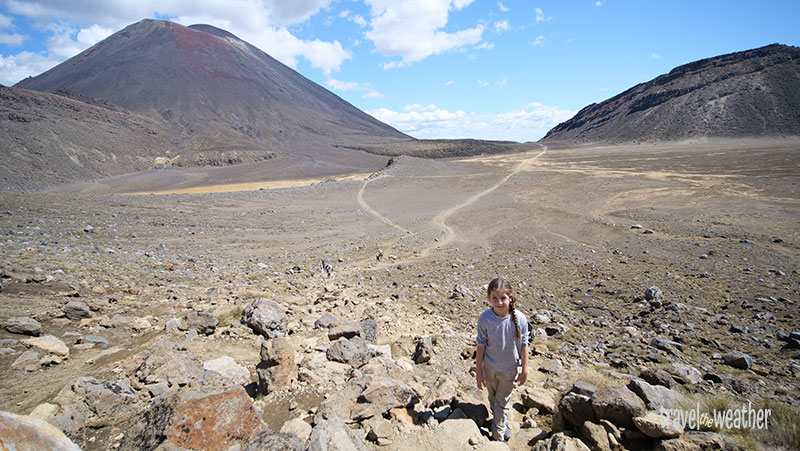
266, 317
656, 396
21, 432
344, 328
167, 361
738, 359
382, 394
77, 310
23, 326
227, 367
685, 374
560, 442
203, 322
426, 348
267, 440
91, 403
574, 409
617, 404
654, 425
353, 352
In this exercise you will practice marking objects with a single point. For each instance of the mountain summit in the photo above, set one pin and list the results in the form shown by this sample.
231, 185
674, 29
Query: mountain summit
217, 93
751, 93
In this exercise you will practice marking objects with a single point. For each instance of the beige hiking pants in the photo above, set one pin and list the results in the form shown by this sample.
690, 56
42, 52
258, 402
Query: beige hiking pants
500, 385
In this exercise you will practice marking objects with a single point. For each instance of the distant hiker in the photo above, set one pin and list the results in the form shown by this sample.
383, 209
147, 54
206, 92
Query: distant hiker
502, 349
328, 269
379, 256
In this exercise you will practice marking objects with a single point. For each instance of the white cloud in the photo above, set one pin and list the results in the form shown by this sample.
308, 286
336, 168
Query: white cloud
372, 95
528, 123
449, 83
501, 25
539, 40
413, 29
295, 11
485, 45
655, 55
502, 83
353, 17
502, 7
14, 68
483, 83
420, 107
12, 39
598, 3
540, 17
73, 26
346, 85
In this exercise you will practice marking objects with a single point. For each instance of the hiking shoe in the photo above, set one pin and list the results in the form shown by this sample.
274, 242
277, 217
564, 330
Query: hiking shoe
507, 435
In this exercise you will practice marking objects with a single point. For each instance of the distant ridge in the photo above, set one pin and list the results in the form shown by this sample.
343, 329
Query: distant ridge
754, 93
218, 94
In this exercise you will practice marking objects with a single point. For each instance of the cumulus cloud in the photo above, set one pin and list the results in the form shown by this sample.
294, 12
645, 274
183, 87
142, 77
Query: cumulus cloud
501, 25
530, 122
540, 17
414, 30
353, 86
372, 95
353, 17
449, 83
502, 7
485, 45
14, 68
539, 40
598, 3
75, 26
655, 55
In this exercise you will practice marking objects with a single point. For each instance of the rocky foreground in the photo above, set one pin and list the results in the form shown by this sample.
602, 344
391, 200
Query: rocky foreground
204, 322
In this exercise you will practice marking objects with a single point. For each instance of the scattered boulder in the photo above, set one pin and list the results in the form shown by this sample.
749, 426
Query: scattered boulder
653, 293
168, 361
685, 374
369, 330
617, 404
299, 427
583, 388
95, 340
324, 321
560, 442
595, 436
332, 434
344, 328
277, 368
656, 396
49, 344
76, 310
227, 366
425, 350
266, 317
382, 394
551, 366
693, 440
23, 326
24, 432
573, 410
203, 322
739, 360
210, 412
657, 376
266, 440
443, 392
540, 398
352, 352
657, 426
91, 403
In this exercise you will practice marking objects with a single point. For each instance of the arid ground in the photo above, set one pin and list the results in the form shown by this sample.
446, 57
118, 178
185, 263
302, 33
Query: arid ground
582, 232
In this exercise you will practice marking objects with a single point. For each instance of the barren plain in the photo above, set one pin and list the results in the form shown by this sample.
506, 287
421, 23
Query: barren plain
581, 231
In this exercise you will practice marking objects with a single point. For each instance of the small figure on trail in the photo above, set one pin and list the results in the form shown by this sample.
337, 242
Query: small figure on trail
328, 269
379, 256
502, 348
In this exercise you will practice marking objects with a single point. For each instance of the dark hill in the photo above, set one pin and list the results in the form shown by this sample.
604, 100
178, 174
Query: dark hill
744, 94
219, 95
48, 139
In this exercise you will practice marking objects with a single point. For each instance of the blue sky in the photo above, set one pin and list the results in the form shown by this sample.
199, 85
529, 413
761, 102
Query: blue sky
433, 68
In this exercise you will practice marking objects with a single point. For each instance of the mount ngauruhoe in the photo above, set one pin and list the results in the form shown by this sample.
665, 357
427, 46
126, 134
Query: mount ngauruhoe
222, 96
755, 93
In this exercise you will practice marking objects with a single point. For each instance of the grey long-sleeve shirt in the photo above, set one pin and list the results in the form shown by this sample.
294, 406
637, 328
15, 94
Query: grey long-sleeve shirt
497, 333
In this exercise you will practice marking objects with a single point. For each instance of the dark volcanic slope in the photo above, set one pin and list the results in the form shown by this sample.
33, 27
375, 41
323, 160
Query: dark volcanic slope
751, 93
216, 91
48, 139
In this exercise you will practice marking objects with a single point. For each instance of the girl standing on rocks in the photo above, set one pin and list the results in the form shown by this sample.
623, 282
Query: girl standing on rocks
502, 349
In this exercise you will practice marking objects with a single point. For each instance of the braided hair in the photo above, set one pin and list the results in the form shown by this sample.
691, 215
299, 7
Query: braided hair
501, 283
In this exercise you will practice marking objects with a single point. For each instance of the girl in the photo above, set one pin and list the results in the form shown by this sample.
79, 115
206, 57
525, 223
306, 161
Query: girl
502, 348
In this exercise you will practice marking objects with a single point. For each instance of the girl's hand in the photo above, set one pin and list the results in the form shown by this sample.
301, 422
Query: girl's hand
480, 381
522, 377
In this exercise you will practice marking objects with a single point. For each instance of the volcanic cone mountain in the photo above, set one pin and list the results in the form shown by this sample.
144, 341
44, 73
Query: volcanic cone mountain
754, 93
226, 100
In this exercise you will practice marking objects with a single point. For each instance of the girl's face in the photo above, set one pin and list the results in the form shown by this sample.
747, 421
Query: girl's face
500, 301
